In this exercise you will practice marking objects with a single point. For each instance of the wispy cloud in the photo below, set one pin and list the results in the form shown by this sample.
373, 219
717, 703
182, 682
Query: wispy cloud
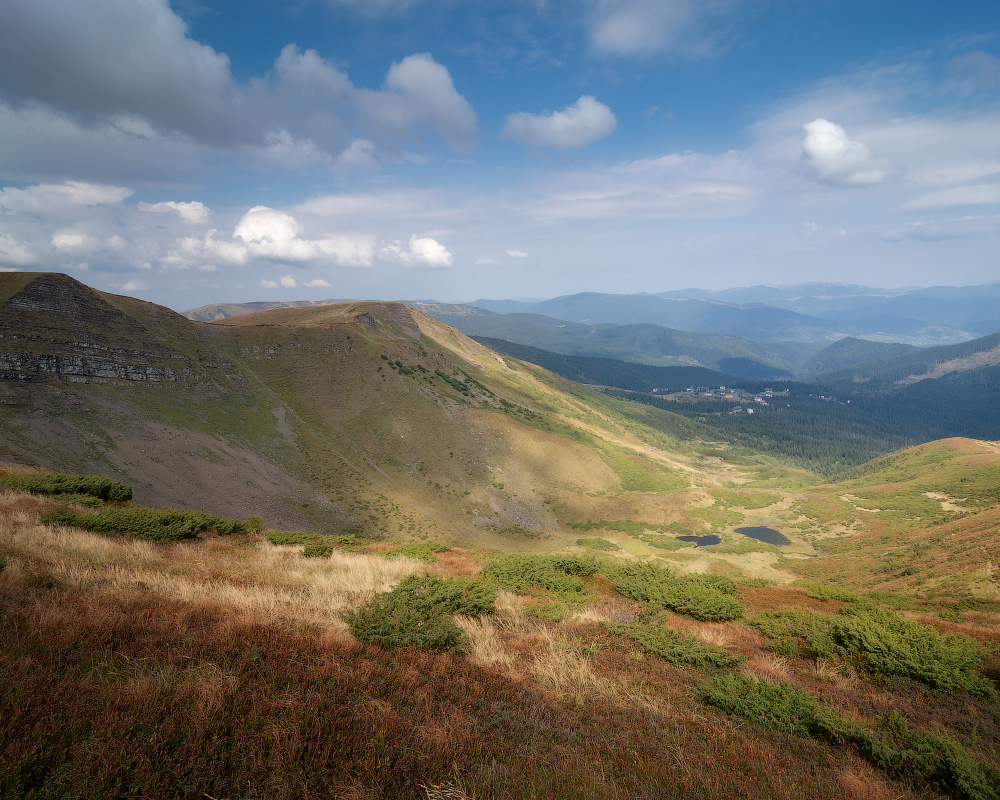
635, 28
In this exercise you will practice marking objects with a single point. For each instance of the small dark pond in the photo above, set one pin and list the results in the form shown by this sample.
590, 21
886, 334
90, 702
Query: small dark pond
766, 535
701, 541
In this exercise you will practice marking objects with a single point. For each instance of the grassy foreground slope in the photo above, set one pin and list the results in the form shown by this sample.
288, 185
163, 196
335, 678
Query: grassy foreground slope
228, 666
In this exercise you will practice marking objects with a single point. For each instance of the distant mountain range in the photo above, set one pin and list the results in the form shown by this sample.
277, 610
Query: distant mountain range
752, 332
642, 343
807, 313
975, 309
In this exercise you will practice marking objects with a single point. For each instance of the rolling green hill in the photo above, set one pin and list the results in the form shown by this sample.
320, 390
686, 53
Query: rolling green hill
933, 362
609, 371
849, 352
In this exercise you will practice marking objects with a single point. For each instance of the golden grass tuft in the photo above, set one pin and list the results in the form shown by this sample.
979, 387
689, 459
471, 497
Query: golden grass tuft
483, 644
862, 782
264, 584
615, 611
840, 675
766, 667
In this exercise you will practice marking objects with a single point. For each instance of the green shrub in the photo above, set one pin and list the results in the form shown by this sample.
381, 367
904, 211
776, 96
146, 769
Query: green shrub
307, 538
447, 595
675, 647
882, 642
702, 597
597, 543
756, 583
821, 592
791, 631
57, 483
153, 524
318, 550
419, 612
291, 537
523, 571
389, 621
422, 551
780, 707
547, 610
87, 500
932, 758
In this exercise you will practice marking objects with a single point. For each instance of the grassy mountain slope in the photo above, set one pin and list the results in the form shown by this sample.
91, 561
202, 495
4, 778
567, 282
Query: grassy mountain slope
934, 362
923, 519
365, 417
101, 383
428, 432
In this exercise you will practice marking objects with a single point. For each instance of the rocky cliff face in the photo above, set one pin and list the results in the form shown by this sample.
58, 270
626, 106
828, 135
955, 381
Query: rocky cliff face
57, 328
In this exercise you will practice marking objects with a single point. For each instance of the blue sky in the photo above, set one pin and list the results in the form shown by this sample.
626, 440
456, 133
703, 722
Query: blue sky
190, 152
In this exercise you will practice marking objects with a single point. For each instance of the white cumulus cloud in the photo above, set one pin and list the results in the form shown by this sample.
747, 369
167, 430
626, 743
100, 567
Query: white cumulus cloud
419, 92
517, 254
268, 233
194, 211
836, 158
586, 121
74, 240
422, 252
16, 253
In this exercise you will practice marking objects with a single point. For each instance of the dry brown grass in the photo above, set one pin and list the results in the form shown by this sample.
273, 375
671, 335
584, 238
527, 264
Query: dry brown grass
614, 611
559, 663
263, 583
840, 675
862, 782
767, 667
